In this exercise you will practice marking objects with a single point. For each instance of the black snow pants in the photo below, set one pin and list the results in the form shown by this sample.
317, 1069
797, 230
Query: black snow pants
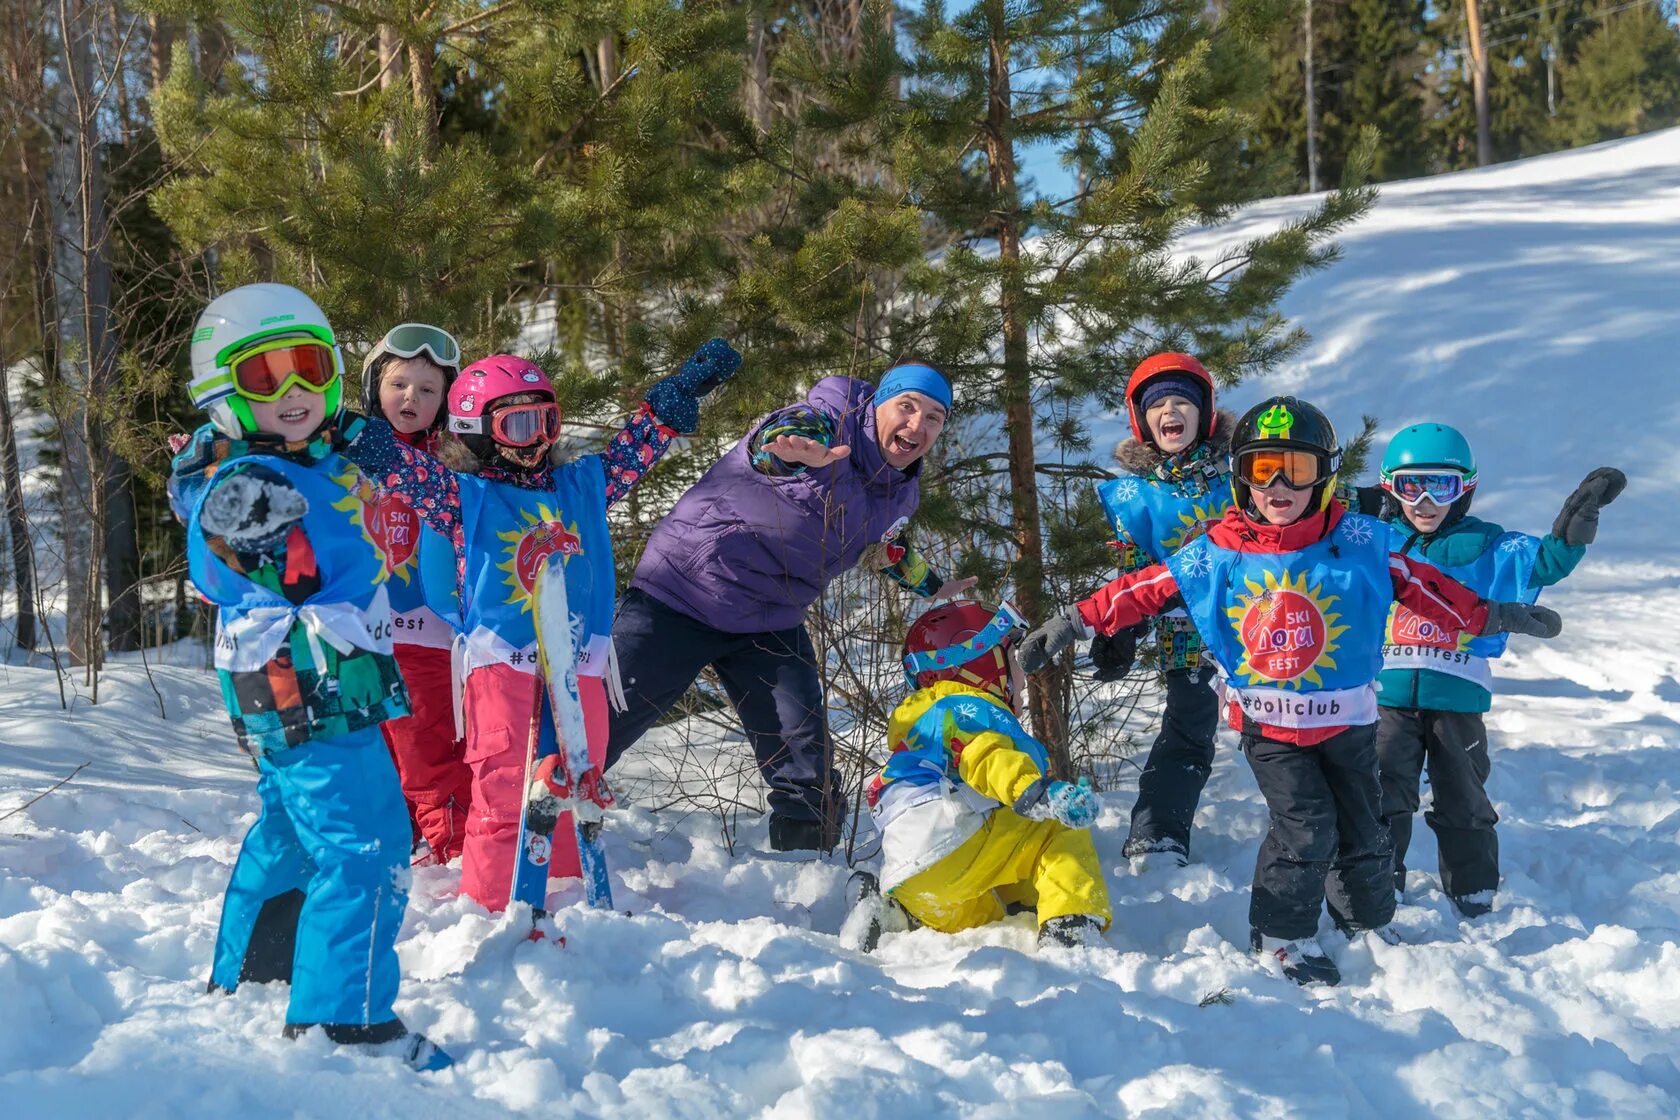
771, 679
1327, 841
1178, 765
1454, 746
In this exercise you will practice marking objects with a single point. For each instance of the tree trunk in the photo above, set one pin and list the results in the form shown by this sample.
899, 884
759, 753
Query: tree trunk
390, 70
124, 622
422, 61
82, 288
160, 40
1479, 83
17, 522
1312, 107
758, 71
1016, 385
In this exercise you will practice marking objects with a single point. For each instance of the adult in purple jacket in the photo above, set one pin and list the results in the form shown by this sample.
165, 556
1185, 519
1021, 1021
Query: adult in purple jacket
729, 573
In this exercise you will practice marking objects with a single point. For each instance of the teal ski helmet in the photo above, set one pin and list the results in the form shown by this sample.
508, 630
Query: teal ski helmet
1429, 445
1425, 446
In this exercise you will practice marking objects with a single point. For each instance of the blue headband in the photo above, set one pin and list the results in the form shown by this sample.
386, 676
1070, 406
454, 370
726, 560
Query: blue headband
914, 378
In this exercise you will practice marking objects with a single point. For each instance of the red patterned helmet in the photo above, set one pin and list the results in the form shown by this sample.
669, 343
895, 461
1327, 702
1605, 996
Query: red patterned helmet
962, 641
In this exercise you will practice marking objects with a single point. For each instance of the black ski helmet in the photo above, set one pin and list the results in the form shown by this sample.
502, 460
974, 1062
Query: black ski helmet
1287, 422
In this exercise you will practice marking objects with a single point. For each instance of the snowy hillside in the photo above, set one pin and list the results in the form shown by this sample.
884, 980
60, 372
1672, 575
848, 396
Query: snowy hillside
1531, 304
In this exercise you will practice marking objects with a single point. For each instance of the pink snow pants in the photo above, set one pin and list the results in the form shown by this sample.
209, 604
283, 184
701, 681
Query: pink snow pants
502, 716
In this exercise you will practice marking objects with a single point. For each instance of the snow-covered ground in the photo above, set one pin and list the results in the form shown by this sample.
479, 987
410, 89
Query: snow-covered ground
1532, 304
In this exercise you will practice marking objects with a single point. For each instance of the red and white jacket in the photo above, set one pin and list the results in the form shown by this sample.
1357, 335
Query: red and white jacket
1150, 591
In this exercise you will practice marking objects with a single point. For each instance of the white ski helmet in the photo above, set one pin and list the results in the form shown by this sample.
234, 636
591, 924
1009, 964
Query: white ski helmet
239, 320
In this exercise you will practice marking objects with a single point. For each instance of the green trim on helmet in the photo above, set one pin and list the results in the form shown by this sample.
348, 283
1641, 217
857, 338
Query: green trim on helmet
320, 334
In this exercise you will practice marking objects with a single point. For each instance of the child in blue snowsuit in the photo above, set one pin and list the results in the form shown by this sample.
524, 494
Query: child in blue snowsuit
1435, 686
279, 537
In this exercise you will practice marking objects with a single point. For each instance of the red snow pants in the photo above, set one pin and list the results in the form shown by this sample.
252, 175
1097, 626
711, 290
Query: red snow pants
435, 780
505, 710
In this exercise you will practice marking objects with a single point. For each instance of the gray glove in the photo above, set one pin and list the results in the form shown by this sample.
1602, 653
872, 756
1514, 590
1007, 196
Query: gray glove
1058, 632
1521, 618
1577, 521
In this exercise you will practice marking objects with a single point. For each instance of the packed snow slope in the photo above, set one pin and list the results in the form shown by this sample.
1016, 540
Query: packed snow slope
1532, 304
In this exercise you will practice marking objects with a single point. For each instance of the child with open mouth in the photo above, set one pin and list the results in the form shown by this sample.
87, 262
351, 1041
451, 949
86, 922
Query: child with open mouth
1175, 483
1289, 593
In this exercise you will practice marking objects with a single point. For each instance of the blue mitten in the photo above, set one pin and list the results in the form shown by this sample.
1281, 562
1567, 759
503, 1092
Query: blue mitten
676, 399
1075, 805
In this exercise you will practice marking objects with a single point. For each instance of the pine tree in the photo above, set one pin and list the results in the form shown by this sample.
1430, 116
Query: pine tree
1369, 60
1038, 305
446, 163
1381, 84
1625, 78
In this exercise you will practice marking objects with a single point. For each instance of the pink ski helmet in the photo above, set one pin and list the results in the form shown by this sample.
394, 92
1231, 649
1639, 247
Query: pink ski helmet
479, 386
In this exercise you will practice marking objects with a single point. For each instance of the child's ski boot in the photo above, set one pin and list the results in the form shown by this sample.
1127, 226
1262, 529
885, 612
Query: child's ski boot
1151, 855
1071, 931
869, 914
1302, 959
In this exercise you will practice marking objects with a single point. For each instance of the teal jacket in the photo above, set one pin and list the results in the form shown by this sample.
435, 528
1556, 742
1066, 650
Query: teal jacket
1455, 546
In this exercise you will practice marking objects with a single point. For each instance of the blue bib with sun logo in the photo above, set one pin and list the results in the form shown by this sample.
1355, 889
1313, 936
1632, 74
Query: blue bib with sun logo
510, 533
1297, 635
293, 672
1502, 572
1162, 517
425, 604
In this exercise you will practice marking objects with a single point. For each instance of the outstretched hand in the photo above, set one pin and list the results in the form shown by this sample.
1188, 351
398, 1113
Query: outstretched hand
951, 588
805, 452
1577, 522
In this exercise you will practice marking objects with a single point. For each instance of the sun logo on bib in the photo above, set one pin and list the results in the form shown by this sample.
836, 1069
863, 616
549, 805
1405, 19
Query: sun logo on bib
1407, 628
364, 502
543, 535
1193, 524
1287, 631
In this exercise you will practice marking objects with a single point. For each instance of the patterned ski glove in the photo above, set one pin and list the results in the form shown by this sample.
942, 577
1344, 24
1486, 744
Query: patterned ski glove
253, 508
1058, 633
1113, 655
1076, 806
675, 400
1577, 522
1522, 618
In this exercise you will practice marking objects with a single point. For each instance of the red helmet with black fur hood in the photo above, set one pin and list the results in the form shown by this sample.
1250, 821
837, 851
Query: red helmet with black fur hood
1157, 366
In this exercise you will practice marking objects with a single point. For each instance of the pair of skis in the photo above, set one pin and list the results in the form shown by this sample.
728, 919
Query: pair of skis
563, 779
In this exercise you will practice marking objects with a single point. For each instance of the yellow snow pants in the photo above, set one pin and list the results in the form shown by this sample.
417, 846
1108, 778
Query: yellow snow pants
1011, 859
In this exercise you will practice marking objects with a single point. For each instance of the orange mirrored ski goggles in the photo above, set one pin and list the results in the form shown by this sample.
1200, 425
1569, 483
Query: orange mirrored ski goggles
1259, 466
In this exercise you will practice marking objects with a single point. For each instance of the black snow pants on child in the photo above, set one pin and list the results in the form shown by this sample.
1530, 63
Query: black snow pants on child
1455, 747
1327, 841
1178, 765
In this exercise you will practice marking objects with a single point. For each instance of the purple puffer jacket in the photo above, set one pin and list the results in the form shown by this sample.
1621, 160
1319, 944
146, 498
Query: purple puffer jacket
743, 552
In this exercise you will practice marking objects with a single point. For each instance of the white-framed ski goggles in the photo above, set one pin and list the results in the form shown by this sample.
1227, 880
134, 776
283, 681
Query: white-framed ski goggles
1006, 624
1440, 485
410, 340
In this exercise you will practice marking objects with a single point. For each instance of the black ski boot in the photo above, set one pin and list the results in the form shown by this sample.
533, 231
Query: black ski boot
792, 834
1071, 931
1302, 959
1147, 855
1474, 906
869, 914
